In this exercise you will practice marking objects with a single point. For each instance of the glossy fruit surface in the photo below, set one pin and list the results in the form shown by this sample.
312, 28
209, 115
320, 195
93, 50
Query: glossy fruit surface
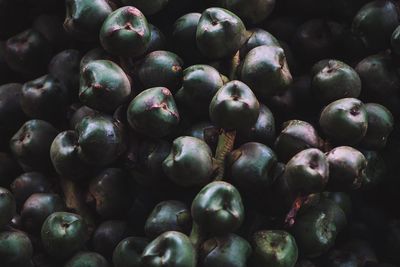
15, 248
87, 259
129, 251
7, 207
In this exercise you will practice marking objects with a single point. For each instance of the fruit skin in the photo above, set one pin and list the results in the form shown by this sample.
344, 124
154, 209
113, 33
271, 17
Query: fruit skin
395, 41
251, 167
28, 53
274, 248
234, 106
104, 86
109, 193
7, 207
224, 40
334, 80
375, 22
189, 162
258, 38
230, 250
199, 85
125, 32
265, 71
45, 98
96, 53
380, 125
147, 7
296, 136
28, 184
11, 114
347, 167
63, 234
218, 208
101, 140
153, 112
129, 251
107, 236
307, 172
172, 249
184, 37
31, 145
205, 131
344, 121
254, 11
64, 154
87, 259
15, 248
167, 216
315, 232
376, 170
337, 258
157, 40
37, 208
84, 18
161, 69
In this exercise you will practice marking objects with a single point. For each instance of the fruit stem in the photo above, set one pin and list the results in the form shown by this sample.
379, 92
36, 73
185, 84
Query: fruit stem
75, 202
226, 140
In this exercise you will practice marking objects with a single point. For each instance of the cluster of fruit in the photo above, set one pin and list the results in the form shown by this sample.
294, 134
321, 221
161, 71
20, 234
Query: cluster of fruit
184, 133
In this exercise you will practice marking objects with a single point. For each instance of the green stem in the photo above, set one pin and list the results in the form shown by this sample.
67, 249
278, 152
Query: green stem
226, 141
75, 202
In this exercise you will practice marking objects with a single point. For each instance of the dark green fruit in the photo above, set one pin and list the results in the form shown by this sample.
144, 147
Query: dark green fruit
9, 169
347, 167
395, 41
307, 172
315, 232
51, 27
146, 168
153, 112
184, 37
31, 145
338, 258
11, 114
101, 139
65, 68
254, 11
220, 33
108, 235
296, 136
64, 154
84, 18
199, 85
28, 52
190, 162
234, 106
7, 207
345, 121
169, 249
342, 199
334, 212
63, 234
375, 22
45, 98
15, 248
104, 86
376, 169
205, 131
37, 208
125, 32
129, 251
263, 131
168, 216
274, 248
230, 250
218, 208
28, 184
252, 167
87, 259
265, 71
157, 39
161, 69
147, 7
380, 125
380, 79
258, 38
334, 80
97, 53
109, 193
